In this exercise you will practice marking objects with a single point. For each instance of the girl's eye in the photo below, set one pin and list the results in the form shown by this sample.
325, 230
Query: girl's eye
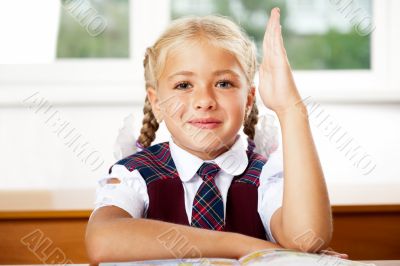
182, 85
224, 84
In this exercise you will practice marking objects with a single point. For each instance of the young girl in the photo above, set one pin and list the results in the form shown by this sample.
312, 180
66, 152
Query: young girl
206, 184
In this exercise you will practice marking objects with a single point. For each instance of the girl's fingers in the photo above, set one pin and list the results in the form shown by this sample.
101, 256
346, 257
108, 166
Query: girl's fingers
333, 253
268, 27
276, 34
268, 39
274, 53
280, 41
267, 35
276, 21
274, 17
280, 46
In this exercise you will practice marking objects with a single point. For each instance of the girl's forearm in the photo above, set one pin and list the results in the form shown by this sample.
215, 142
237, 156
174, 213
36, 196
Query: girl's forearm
306, 211
126, 239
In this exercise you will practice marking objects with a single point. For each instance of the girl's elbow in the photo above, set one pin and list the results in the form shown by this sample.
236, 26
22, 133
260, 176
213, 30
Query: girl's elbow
312, 242
320, 239
314, 247
325, 235
96, 249
326, 241
320, 242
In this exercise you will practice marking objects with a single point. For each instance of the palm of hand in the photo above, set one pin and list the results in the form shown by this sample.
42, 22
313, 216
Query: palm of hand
277, 88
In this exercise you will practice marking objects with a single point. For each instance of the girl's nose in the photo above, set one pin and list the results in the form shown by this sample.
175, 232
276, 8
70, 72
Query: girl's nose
204, 99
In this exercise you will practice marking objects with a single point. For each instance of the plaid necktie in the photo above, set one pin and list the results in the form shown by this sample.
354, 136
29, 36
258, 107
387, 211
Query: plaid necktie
208, 208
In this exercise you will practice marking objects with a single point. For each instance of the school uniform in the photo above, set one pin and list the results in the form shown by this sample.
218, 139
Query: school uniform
161, 181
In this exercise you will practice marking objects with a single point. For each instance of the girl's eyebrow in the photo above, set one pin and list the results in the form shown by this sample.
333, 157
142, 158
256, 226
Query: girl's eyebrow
225, 71
181, 73
215, 73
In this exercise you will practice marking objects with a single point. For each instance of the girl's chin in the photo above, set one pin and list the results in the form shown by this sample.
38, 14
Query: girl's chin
209, 149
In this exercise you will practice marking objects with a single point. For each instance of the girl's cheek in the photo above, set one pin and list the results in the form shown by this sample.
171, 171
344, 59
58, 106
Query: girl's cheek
177, 111
235, 104
171, 104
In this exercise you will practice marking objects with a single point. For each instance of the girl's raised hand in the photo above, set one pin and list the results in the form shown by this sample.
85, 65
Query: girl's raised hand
276, 84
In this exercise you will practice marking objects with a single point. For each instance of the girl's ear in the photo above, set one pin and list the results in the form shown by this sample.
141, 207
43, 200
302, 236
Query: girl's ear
154, 101
250, 97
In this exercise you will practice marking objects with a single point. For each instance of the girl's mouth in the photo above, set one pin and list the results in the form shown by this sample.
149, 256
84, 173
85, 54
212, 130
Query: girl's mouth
205, 123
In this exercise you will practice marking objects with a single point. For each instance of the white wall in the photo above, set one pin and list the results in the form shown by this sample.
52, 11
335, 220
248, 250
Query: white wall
33, 157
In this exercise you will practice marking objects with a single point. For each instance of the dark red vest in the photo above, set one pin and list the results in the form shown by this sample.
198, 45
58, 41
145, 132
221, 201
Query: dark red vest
166, 194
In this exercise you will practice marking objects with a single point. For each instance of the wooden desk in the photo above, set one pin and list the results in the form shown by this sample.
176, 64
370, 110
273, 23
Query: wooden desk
43, 237
56, 216
59, 217
376, 262
384, 262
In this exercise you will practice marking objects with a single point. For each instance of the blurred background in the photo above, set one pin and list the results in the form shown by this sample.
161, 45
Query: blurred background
71, 74
84, 58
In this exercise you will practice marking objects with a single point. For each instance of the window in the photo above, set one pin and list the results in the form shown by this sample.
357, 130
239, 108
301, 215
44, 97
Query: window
340, 52
318, 34
93, 29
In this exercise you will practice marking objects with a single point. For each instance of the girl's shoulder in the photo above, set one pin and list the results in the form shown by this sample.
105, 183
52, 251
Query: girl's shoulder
153, 163
151, 153
251, 175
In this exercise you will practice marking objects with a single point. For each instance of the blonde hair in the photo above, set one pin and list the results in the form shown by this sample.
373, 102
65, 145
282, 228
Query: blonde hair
217, 30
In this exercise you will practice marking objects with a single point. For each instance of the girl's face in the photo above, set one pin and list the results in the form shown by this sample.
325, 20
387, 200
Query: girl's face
202, 97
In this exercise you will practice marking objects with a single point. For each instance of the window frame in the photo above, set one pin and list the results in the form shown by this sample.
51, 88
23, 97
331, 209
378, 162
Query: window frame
112, 81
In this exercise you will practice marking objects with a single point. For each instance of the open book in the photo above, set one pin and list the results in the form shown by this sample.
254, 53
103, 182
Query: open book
281, 257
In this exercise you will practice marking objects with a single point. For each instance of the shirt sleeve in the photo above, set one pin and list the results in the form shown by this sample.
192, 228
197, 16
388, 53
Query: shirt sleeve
270, 191
129, 193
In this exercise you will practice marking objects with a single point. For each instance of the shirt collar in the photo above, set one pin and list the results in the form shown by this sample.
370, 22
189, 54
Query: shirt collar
233, 162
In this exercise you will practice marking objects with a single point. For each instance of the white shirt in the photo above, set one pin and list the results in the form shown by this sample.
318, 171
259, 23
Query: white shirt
131, 193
